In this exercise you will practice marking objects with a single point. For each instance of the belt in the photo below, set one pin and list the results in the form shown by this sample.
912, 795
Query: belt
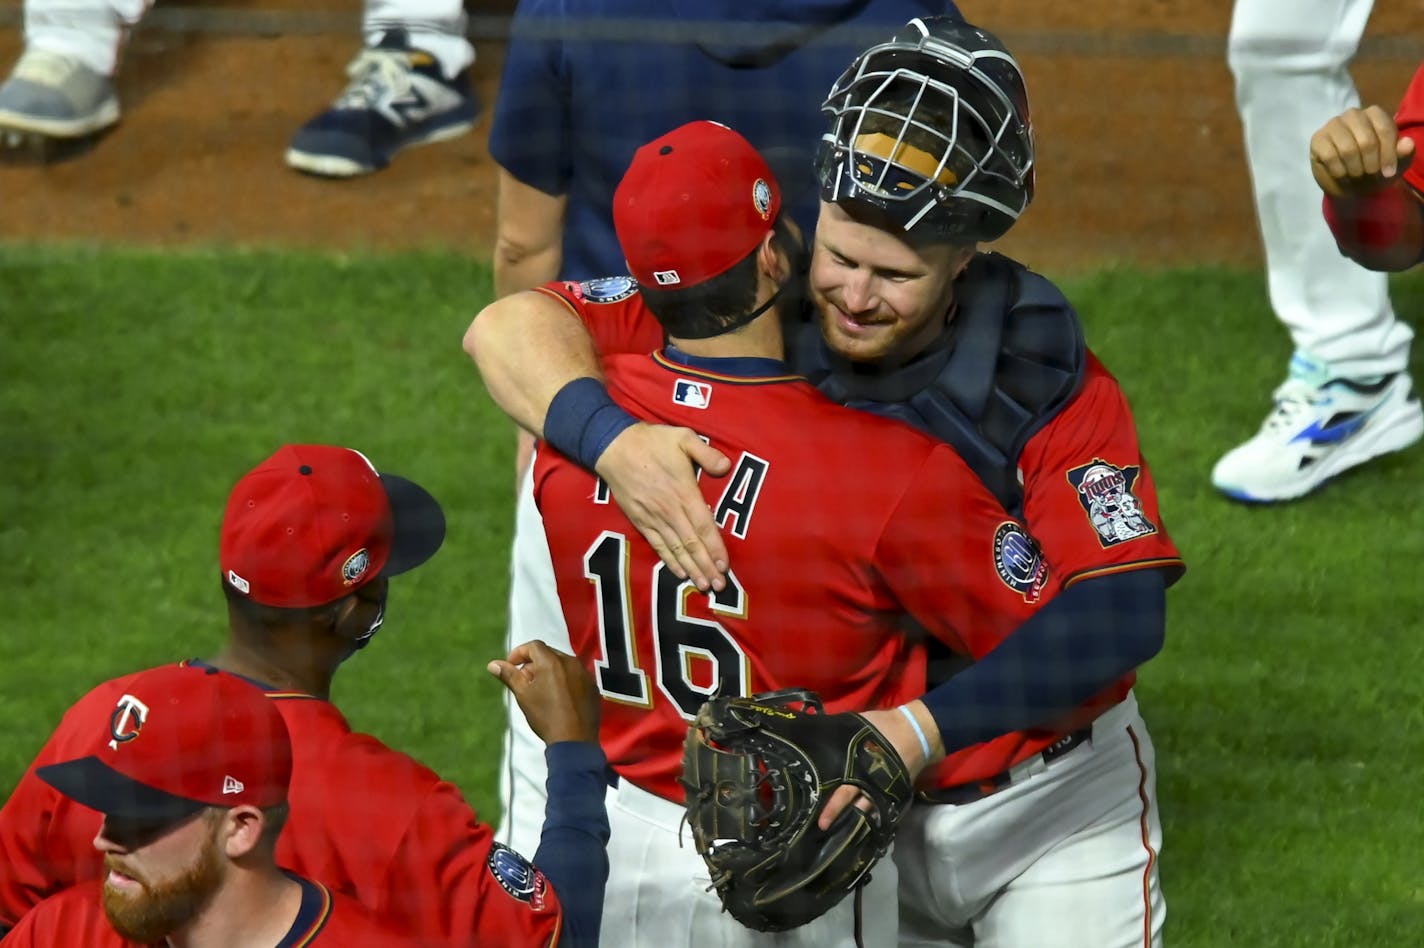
963, 793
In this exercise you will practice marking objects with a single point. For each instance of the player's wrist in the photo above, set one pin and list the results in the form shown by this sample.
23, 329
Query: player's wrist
1371, 222
583, 419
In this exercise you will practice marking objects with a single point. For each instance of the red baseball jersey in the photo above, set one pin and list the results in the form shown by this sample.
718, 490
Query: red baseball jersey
1410, 120
1089, 503
75, 916
367, 821
838, 523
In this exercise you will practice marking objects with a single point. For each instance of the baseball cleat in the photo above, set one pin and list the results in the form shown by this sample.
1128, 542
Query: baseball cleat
1319, 428
397, 97
55, 96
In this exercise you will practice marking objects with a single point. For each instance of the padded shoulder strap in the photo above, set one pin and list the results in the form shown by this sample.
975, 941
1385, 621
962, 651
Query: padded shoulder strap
1012, 357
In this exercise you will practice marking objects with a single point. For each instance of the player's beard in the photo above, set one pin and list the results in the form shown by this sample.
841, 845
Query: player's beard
161, 909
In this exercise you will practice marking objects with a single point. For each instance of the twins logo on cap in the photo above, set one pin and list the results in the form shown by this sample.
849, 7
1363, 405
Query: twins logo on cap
127, 720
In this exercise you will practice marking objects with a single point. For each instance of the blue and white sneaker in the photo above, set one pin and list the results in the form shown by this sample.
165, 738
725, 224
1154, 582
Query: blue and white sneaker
1319, 428
397, 97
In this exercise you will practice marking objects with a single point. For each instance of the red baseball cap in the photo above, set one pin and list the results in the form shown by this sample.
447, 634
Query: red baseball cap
314, 523
181, 738
693, 203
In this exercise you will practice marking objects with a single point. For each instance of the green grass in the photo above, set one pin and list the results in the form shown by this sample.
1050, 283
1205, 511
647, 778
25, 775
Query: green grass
136, 386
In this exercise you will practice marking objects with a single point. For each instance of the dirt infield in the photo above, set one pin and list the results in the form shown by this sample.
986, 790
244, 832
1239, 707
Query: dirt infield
1140, 156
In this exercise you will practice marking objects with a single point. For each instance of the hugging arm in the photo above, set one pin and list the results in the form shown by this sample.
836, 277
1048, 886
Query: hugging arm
540, 365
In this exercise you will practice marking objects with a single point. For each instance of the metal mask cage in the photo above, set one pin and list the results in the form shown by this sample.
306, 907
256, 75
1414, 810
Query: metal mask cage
899, 98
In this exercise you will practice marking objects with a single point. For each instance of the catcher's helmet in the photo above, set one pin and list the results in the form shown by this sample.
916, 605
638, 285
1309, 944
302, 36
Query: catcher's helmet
932, 128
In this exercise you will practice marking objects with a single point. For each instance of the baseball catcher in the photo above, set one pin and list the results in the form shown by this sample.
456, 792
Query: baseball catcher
758, 771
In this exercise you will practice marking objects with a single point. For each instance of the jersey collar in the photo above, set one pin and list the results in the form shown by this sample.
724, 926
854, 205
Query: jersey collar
736, 366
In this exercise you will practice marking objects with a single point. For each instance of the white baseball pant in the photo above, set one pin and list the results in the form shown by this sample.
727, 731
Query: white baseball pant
534, 613
1290, 59
1064, 857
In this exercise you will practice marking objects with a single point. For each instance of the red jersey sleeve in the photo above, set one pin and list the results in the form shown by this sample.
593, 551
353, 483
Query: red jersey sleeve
613, 310
1410, 120
449, 865
1089, 498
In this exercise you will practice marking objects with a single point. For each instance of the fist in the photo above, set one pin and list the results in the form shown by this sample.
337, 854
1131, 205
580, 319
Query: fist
1359, 152
554, 690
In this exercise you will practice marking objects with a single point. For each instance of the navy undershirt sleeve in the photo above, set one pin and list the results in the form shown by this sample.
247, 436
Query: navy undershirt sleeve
1078, 644
573, 852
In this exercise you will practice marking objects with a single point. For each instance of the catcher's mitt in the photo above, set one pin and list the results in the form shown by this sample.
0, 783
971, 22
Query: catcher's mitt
758, 771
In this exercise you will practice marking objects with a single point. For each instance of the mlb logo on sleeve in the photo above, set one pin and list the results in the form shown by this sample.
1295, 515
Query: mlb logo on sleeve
692, 394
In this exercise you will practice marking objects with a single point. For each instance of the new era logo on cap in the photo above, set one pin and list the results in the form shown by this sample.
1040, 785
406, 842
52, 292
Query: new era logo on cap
232, 785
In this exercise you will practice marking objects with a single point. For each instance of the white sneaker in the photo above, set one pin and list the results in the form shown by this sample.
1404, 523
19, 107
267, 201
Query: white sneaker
56, 96
1319, 428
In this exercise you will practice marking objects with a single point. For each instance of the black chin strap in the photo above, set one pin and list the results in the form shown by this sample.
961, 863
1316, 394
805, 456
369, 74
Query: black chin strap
740, 321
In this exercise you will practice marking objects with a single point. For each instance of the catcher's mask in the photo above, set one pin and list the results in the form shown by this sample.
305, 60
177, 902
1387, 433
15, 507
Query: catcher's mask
932, 128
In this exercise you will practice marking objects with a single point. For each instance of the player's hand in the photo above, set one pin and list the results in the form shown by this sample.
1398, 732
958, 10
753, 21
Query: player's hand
1358, 152
902, 737
554, 690
651, 471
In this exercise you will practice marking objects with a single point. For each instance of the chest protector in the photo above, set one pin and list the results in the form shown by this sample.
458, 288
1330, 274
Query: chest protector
1009, 360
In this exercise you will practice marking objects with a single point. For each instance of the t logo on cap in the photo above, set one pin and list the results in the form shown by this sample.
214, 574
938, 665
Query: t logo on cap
127, 720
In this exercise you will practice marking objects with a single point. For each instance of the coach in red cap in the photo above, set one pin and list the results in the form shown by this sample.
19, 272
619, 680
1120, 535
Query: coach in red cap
190, 772
309, 540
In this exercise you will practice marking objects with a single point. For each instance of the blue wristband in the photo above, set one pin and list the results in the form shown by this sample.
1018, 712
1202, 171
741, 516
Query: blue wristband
583, 420
919, 731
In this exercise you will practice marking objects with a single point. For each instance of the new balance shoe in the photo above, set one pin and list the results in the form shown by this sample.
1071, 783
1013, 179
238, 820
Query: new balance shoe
397, 97
56, 96
1318, 428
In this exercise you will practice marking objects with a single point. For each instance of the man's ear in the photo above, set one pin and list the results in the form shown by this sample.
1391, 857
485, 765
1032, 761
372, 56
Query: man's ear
771, 259
342, 611
241, 830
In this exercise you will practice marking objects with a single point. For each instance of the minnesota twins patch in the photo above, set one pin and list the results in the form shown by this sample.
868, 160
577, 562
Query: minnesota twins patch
1019, 561
515, 874
607, 289
1105, 491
